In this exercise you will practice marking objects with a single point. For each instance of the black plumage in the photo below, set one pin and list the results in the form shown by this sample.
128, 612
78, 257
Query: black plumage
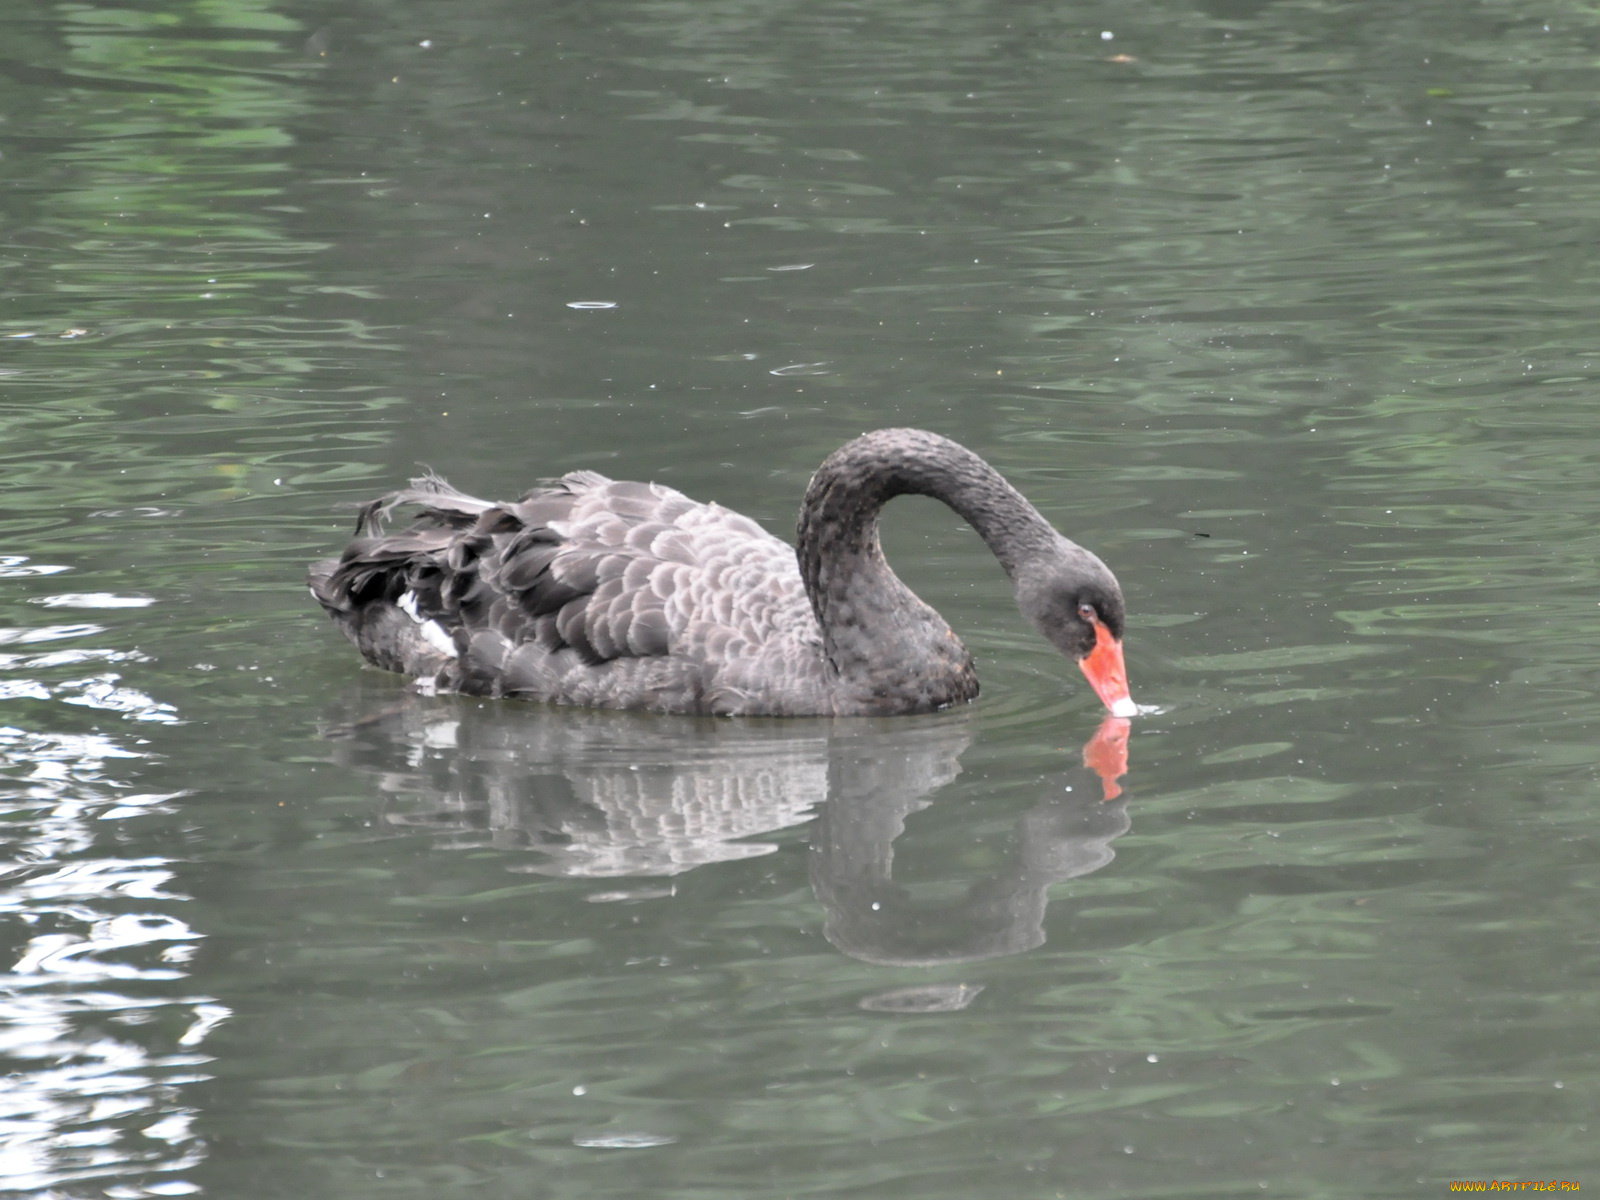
592, 591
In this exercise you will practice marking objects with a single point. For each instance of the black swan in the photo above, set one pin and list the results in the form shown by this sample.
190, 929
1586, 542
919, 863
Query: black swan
595, 592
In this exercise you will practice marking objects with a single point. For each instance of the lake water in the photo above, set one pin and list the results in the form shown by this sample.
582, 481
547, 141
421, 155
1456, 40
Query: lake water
1288, 310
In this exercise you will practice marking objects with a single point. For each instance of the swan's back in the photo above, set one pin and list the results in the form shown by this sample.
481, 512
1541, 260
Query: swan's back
587, 591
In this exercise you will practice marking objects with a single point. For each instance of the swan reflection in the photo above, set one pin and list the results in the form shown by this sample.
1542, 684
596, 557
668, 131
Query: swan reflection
613, 796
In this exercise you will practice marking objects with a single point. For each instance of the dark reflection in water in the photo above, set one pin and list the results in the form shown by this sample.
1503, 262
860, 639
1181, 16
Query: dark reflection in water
602, 795
1066, 834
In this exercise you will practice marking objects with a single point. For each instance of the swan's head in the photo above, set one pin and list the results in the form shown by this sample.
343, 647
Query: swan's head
1074, 600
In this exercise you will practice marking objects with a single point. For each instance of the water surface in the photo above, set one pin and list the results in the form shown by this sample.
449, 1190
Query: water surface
1285, 310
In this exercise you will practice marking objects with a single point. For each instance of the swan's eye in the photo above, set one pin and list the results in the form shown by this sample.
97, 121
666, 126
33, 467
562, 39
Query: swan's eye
1086, 611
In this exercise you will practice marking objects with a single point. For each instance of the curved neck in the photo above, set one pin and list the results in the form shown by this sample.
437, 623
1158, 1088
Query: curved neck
873, 627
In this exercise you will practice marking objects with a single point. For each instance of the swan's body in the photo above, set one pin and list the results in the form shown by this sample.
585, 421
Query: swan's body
594, 592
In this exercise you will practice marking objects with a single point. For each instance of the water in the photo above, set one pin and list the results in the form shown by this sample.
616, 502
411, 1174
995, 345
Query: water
1285, 310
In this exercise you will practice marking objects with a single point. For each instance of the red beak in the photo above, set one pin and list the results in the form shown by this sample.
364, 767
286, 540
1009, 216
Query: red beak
1107, 674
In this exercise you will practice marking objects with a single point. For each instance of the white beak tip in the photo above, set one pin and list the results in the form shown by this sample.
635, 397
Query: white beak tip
1125, 707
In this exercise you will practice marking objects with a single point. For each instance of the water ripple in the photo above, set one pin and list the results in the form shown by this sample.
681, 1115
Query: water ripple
98, 1033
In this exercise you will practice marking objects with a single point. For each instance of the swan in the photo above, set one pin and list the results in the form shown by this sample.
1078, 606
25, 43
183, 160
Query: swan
596, 592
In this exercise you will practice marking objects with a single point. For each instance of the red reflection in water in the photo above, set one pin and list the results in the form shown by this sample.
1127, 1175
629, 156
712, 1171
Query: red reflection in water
1106, 754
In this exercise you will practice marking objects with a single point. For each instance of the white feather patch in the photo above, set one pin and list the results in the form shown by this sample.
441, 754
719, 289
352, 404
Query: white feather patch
432, 632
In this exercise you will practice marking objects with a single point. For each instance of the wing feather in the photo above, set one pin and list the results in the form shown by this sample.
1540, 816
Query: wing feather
586, 590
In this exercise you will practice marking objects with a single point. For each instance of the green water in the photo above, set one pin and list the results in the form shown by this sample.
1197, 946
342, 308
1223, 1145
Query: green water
1286, 310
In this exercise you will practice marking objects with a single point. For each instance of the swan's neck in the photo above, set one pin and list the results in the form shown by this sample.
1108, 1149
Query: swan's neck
890, 651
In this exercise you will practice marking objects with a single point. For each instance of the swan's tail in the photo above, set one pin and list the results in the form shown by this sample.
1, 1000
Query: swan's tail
372, 591
440, 503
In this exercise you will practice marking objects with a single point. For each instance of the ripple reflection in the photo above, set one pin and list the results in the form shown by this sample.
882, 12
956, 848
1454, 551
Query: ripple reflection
97, 1033
594, 795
